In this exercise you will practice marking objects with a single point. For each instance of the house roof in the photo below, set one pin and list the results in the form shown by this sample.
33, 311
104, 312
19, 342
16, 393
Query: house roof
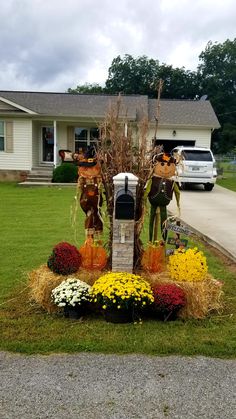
75, 105
184, 112
172, 112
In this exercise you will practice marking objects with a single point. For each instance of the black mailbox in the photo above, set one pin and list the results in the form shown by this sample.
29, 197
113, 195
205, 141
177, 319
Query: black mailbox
124, 205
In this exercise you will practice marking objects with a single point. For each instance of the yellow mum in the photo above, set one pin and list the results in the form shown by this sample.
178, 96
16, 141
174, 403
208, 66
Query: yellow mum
121, 289
187, 265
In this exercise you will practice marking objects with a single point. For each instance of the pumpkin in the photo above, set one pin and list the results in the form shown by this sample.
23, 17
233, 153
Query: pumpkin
93, 255
153, 259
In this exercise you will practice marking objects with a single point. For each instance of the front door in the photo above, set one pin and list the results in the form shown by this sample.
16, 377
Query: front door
48, 144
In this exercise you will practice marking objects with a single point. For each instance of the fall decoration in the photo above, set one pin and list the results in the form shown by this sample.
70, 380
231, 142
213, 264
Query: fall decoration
121, 290
41, 283
65, 259
187, 265
93, 255
153, 259
202, 297
168, 300
71, 292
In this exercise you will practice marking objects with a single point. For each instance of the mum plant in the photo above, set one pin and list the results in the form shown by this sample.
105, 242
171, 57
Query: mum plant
168, 300
65, 259
72, 292
187, 265
121, 290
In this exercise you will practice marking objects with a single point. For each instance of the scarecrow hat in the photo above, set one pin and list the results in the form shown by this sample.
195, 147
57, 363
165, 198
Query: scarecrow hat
164, 158
89, 158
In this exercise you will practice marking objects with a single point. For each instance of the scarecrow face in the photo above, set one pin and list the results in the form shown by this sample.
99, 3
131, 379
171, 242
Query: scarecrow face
165, 167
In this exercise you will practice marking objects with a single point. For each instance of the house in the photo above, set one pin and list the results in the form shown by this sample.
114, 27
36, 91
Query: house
34, 126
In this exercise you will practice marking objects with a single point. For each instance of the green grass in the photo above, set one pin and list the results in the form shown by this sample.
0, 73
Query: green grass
228, 179
33, 221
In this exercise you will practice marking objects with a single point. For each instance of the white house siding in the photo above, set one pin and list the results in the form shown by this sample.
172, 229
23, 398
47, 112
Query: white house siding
35, 144
62, 135
202, 137
21, 158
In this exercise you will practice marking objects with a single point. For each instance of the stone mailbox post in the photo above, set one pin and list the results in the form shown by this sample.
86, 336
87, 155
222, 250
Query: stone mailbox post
123, 222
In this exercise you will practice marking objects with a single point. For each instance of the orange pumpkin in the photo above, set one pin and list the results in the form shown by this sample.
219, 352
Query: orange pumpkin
94, 256
153, 259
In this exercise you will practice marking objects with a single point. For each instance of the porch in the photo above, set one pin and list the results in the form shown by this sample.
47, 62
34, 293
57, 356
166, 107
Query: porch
48, 137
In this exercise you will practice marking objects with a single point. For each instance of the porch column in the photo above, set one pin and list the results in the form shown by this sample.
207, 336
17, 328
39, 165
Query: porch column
55, 144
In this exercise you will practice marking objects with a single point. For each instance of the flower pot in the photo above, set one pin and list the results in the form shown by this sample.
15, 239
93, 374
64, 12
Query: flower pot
73, 312
167, 315
114, 315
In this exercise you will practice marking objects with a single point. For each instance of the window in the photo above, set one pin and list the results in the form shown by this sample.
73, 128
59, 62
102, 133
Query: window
200, 155
81, 139
48, 143
2, 136
85, 137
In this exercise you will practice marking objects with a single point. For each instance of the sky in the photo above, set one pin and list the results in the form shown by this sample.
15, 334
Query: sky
53, 45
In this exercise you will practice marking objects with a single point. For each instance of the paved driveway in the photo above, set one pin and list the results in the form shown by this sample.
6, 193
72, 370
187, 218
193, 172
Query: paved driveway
213, 214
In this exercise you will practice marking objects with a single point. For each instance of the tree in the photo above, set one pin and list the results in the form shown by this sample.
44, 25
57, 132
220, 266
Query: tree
178, 82
130, 75
140, 75
217, 74
90, 88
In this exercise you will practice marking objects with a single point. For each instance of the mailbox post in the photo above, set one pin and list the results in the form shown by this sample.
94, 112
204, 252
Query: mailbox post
123, 222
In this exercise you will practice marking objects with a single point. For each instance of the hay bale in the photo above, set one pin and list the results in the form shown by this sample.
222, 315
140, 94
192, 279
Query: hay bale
42, 281
202, 297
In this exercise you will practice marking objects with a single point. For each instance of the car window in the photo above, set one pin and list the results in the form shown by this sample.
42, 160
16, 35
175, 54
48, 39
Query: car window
197, 155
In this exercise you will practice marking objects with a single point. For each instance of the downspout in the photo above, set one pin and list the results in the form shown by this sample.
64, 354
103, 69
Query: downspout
55, 144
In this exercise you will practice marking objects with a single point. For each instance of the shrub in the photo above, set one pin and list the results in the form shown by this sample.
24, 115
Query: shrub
168, 299
71, 292
65, 259
187, 265
121, 290
65, 173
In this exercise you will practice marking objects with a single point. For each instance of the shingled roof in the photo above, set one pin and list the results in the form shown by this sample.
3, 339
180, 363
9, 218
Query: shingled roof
184, 112
75, 105
172, 112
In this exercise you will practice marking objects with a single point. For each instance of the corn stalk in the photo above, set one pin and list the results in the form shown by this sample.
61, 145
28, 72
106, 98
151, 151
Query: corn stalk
119, 152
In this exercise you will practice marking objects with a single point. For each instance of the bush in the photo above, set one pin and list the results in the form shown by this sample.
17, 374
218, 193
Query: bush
168, 299
187, 265
65, 173
121, 290
65, 259
71, 292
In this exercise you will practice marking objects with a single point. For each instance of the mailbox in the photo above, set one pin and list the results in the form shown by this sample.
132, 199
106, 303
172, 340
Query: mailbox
124, 204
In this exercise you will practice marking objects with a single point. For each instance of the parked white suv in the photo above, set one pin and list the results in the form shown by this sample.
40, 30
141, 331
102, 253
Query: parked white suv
197, 166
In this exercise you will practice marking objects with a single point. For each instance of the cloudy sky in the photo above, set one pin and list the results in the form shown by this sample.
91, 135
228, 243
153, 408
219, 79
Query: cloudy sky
51, 45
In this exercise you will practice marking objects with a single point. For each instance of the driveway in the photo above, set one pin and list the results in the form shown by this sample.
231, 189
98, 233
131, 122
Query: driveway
212, 215
116, 387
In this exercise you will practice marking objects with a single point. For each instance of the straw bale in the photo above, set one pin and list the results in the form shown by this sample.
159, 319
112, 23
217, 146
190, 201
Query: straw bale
202, 297
42, 281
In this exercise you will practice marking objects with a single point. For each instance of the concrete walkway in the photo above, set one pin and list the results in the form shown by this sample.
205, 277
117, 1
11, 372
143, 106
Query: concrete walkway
212, 215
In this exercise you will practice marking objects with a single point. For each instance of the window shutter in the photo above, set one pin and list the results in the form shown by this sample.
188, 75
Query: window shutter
71, 138
9, 137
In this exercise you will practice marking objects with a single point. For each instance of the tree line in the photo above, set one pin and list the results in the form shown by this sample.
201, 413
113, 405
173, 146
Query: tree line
215, 77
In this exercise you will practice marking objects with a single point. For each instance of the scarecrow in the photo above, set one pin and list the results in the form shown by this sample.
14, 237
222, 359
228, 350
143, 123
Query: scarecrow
160, 189
90, 183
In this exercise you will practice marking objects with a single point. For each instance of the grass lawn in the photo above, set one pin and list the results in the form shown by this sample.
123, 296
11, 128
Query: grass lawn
229, 176
33, 221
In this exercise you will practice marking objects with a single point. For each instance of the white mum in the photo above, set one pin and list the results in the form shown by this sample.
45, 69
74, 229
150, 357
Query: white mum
71, 292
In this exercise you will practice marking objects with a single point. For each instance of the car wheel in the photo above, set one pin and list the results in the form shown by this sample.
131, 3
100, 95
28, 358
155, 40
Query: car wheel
208, 186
